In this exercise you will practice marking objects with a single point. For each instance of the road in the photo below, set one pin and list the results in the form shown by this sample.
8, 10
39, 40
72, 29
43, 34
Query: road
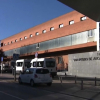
67, 90
14, 91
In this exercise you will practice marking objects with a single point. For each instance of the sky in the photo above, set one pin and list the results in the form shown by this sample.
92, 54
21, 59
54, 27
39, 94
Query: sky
19, 15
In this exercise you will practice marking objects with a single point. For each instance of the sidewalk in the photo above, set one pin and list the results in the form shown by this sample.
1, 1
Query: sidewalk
85, 92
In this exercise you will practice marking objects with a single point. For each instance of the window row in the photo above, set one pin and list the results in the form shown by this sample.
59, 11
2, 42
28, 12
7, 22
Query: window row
51, 29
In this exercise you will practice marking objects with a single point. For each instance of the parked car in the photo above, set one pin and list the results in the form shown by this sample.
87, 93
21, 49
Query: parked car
35, 76
6, 68
62, 72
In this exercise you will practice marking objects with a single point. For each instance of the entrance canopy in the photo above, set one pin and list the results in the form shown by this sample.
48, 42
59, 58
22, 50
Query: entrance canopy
90, 8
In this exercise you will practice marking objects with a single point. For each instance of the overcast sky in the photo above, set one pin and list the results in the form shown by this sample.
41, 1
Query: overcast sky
19, 15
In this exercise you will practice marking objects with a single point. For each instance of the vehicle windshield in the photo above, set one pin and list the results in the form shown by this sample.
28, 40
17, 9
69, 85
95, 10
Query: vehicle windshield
19, 64
42, 71
50, 64
38, 64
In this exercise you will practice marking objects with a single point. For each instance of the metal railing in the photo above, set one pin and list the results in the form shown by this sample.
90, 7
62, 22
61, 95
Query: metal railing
78, 79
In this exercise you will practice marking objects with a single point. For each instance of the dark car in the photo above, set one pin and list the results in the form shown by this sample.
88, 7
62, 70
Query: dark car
6, 69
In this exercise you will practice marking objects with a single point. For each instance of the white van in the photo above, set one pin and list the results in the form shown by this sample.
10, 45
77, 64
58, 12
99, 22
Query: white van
49, 63
22, 64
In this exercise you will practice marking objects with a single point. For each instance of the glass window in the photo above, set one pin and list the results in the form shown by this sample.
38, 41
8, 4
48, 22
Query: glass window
8, 43
38, 64
31, 71
44, 31
27, 71
11, 41
4, 44
34, 64
42, 71
20, 39
52, 28
25, 37
19, 64
37, 45
60, 60
36, 33
31, 35
61, 25
16, 40
71, 22
90, 33
83, 18
50, 63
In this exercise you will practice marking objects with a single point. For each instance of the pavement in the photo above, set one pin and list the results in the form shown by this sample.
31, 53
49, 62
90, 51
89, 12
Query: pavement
80, 90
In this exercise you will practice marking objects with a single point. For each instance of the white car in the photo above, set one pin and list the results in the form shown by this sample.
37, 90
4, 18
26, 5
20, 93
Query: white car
62, 72
35, 75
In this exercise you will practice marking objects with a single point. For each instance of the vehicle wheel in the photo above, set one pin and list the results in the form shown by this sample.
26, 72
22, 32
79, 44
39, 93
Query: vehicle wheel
49, 84
20, 81
32, 83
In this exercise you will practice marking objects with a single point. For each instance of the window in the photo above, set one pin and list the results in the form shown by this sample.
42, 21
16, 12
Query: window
60, 60
90, 33
71, 22
19, 64
34, 64
31, 35
8, 43
42, 71
4, 44
11, 41
37, 45
36, 33
20, 39
16, 40
40, 63
61, 25
1, 44
25, 37
27, 71
83, 18
52, 28
50, 63
44, 31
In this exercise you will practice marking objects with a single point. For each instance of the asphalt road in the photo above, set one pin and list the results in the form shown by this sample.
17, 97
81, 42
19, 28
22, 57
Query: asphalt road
14, 91
10, 90
67, 90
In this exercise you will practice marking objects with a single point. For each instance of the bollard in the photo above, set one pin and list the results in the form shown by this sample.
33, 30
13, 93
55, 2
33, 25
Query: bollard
75, 79
15, 74
61, 79
81, 84
95, 81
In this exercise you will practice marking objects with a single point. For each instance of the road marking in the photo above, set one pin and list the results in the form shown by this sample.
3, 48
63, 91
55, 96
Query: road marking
11, 95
